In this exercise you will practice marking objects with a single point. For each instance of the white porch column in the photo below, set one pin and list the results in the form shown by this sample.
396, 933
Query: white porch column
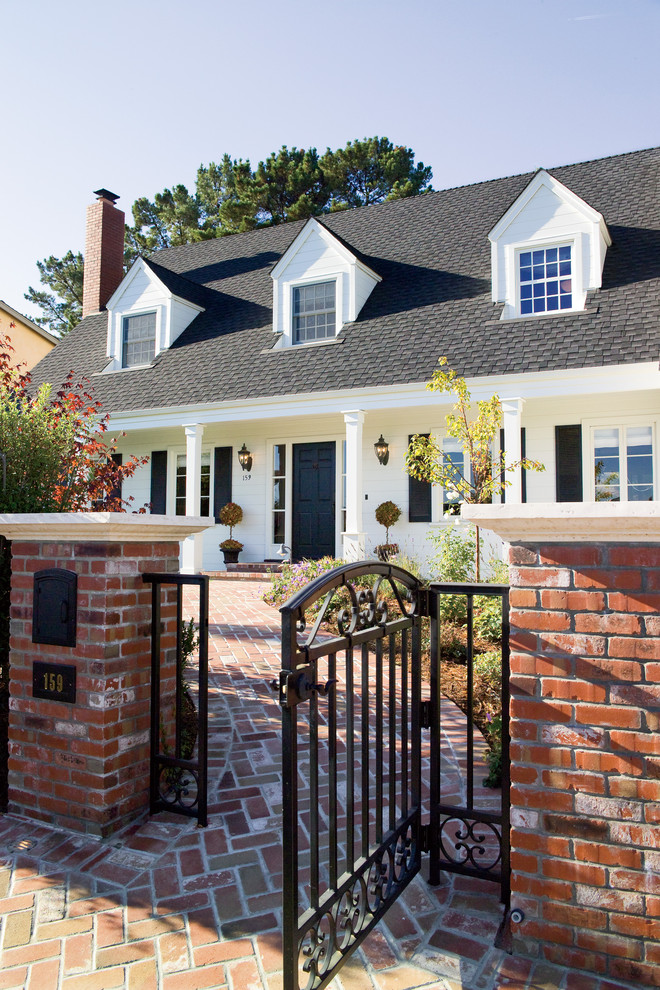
512, 422
192, 545
354, 537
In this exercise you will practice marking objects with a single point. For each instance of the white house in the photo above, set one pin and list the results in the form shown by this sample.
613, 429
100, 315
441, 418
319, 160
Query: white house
302, 345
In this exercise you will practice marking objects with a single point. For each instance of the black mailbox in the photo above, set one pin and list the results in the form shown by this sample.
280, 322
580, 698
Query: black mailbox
54, 607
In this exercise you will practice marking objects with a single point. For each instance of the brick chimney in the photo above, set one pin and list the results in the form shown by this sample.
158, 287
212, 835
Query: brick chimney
104, 251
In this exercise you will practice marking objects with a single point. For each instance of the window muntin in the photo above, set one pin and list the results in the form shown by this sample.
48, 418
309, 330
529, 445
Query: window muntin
279, 493
453, 457
623, 464
205, 486
138, 339
546, 283
314, 312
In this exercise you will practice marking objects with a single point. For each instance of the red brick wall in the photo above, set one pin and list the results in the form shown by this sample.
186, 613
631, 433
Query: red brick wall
84, 766
585, 756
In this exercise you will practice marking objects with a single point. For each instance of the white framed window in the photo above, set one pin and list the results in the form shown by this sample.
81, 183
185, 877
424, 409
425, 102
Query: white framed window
453, 457
622, 467
138, 339
180, 485
279, 493
545, 279
314, 311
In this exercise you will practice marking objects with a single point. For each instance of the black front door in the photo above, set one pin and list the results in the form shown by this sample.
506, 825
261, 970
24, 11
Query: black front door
313, 523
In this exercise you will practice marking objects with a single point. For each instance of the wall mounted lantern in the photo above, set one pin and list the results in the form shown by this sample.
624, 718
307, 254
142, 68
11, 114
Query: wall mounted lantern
245, 458
382, 449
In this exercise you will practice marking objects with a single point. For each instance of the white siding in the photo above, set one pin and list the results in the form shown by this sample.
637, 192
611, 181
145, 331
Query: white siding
180, 318
380, 483
364, 286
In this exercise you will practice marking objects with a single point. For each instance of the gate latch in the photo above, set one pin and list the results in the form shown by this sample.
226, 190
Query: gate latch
299, 685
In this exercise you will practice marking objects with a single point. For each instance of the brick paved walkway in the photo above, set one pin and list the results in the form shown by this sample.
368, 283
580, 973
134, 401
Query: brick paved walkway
167, 905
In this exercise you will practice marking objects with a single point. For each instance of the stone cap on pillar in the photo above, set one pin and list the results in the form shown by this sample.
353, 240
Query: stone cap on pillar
100, 527
569, 522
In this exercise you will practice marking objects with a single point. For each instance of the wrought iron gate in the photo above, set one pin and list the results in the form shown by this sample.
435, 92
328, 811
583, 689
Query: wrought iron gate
178, 768
356, 790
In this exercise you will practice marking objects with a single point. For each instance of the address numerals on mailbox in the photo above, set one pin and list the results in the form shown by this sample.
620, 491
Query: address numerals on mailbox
54, 681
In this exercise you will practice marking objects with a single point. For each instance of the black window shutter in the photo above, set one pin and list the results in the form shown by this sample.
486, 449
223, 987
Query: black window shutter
419, 496
116, 492
159, 482
221, 479
568, 463
523, 453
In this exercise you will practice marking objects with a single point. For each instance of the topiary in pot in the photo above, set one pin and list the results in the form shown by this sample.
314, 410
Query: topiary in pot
231, 515
387, 514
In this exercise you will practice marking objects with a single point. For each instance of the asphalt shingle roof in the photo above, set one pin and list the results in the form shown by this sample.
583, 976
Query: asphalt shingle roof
433, 255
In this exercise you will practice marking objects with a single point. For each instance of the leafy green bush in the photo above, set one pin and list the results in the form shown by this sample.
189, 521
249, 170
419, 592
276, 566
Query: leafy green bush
493, 757
488, 617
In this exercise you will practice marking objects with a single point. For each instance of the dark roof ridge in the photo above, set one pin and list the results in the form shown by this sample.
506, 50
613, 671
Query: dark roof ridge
323, 217
178, 284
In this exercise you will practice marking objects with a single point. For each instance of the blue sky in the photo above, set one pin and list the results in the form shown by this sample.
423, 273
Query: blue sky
133, 96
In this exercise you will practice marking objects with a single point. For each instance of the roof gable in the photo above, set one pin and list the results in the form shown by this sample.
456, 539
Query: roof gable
557, 193
333, 243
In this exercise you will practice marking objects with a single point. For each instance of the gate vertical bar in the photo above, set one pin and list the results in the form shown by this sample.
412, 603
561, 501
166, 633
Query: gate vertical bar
289, 810
178, 697
470, 702
203, 701
506, 764
155, 697
350, 761
435, 741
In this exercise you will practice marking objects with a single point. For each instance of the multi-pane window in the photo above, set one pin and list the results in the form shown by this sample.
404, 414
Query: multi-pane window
314, 312
545, 280
138, 339
623, 464
343, 486
205, 485
279, 492
453, 458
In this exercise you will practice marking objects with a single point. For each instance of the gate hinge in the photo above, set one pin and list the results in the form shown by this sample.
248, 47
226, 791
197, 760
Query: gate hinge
425, 714
424, 602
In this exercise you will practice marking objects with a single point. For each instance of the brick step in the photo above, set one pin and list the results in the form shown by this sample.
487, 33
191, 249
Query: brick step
256, 571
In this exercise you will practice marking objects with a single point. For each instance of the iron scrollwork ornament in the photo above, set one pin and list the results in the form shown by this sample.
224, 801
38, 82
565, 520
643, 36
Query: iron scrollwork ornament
470, 841
178, 787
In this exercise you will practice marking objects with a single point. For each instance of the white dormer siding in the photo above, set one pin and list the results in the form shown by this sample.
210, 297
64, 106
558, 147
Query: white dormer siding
317, 257
142, 292
547, 215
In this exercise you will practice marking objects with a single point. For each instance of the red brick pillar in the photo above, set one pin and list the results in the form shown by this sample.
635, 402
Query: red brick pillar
83, 764
585, 733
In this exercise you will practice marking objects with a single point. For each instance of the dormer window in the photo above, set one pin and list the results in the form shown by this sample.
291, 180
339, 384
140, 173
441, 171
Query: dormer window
146, 314
138, 340
547, 251
545, 280
314, 312
319, 285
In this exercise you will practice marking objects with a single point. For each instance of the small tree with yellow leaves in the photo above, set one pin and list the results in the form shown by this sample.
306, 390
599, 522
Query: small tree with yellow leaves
479, 480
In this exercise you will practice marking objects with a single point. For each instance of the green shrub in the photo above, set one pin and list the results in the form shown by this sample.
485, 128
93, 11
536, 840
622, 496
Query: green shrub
488, 617
493, 757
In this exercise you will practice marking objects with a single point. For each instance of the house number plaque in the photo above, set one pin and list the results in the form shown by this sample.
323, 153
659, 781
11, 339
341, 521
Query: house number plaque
54, 681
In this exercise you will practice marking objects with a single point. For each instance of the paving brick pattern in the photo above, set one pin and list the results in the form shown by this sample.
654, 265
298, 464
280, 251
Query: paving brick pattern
167, 905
